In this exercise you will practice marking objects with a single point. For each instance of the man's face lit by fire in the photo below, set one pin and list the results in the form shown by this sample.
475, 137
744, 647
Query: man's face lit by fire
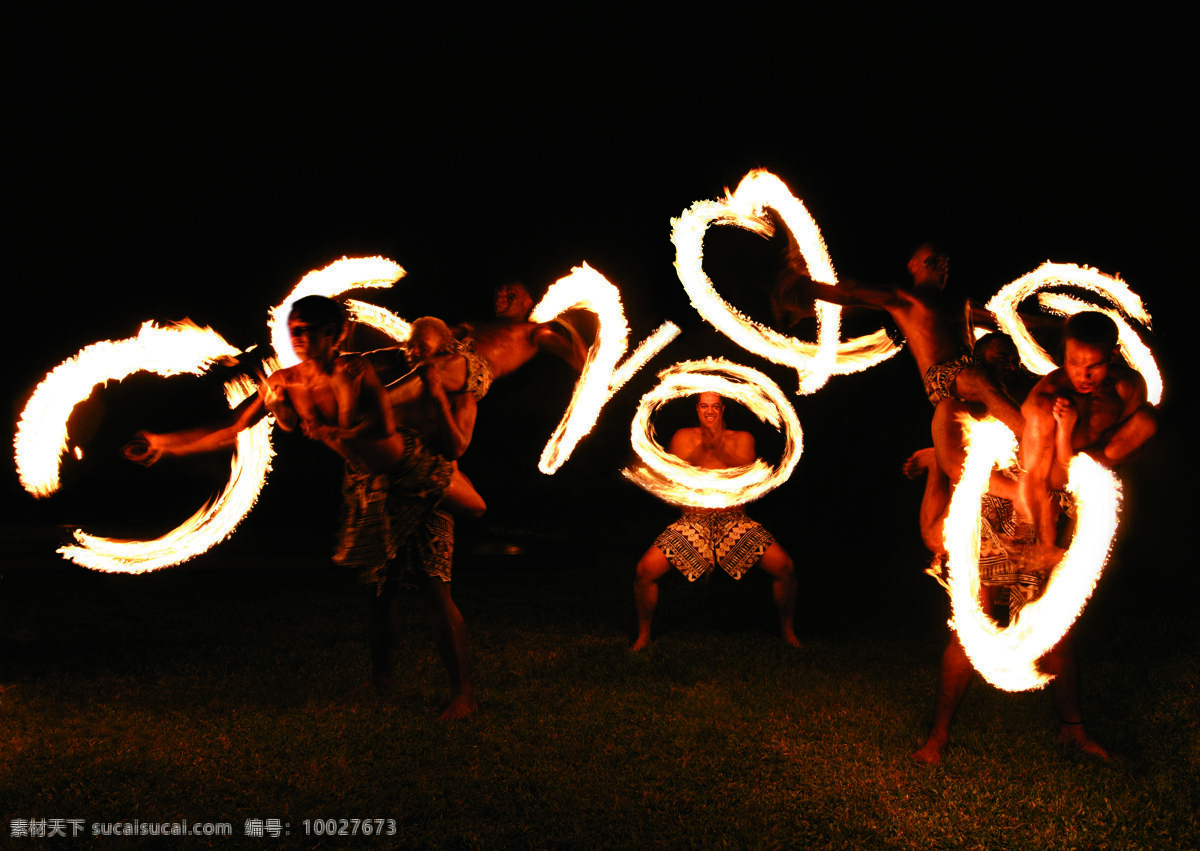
999, 357
710, 408
312, 342
426, 343
928, 268
512, 301
1086, 366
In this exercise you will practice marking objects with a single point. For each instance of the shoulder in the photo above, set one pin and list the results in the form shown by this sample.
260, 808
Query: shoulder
684, 438
1129, 383
1041, 397
352, 366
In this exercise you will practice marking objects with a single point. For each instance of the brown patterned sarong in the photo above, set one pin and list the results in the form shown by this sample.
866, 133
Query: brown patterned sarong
704, 538
392, 517
479, 369
939, 378
1005, 544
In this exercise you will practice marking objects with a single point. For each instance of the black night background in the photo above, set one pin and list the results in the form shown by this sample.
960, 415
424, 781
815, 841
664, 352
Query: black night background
203, 176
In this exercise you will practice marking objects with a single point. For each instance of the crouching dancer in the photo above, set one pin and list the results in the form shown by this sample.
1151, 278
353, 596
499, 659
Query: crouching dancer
395, 516
704, 538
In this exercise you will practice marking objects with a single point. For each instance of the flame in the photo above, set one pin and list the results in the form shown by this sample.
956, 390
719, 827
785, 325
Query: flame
334, 279
675, 481
600, 379
207, 527
379, 319
1008, 657
1003, 306
744, 208
41, 437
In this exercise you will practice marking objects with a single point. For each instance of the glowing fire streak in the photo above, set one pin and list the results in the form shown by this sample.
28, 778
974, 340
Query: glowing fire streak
1007, 657
744, 208
600, 379
675, 481
334, 279
1003, 306
379, 319
207, 527
41, 436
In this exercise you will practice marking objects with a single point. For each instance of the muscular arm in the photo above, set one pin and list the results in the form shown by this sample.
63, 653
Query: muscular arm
1139, 422
1128, 436
150, 447
454, 415
560, 339
407, 389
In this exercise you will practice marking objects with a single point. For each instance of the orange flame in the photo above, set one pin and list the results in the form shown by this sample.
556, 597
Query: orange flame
1008, 657
675, 481
1003, 306
600, 379
207, 527
744, 208
41, 437
334, 279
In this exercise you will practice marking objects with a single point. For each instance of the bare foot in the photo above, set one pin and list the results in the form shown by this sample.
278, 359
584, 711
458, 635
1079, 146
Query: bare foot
1074, 734
920, 463
459, 708
790, 638
931, 752
642, 642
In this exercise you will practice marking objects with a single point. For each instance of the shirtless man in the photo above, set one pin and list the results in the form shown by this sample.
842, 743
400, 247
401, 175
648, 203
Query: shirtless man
394, 481
938, 330
493, 348
1089, 405
510, 340
704, 538
1092, 404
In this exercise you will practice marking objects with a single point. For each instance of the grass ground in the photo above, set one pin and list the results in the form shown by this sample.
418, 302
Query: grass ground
229, 695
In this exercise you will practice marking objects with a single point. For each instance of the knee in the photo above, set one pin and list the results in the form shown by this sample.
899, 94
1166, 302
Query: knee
780, 565
1145, 421
649, 568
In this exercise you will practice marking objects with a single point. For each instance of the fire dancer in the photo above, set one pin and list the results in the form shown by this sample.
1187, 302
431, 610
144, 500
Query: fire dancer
938, 329
1090, 405
495, 348
1093, 404
395, 477
705, 538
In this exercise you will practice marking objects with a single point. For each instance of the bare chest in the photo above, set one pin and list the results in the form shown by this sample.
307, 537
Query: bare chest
1098, 412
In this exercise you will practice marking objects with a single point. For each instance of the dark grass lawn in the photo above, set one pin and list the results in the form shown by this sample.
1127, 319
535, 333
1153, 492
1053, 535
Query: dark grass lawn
224, 695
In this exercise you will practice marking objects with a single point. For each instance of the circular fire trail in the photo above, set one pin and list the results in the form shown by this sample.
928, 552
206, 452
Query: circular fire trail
675, 481
1007, 657
744, 208
1003, 306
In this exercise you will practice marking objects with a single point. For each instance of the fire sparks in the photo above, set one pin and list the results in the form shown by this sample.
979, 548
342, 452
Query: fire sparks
334, 279
675, 481
1003, 306
1008, 657
207, 527
744, 208
41, 437
600, 379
